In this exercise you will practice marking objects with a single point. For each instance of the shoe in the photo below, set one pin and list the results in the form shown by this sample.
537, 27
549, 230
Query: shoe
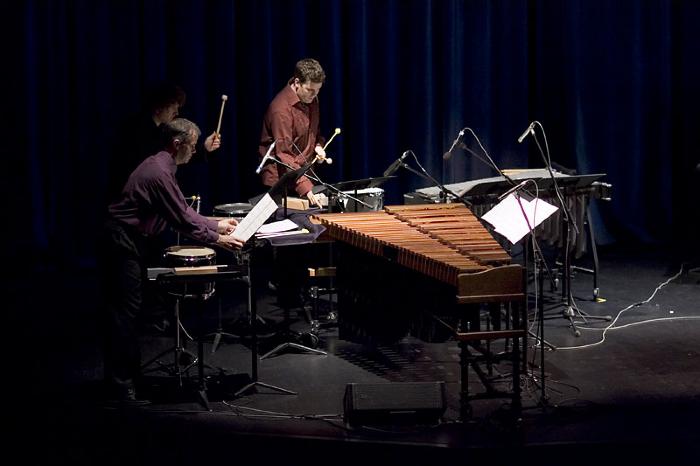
123, 394
161, 325
157, 326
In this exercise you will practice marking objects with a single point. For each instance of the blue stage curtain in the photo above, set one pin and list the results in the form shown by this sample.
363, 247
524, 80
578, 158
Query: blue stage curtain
615, 85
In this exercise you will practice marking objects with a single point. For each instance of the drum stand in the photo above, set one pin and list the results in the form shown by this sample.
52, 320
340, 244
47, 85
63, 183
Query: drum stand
167, 276
179, 366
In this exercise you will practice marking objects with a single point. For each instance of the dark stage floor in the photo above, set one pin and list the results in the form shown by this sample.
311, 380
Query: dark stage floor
635, 394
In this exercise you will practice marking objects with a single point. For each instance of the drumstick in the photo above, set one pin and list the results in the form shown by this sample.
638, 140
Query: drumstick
328, 160
337, 131
224, 98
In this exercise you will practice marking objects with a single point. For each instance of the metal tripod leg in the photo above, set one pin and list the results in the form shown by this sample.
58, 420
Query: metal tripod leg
179, 350
594, 250
288, 344
253, 317
584, 316
219, 330
569, 311
289, 334
252, 385
541, 342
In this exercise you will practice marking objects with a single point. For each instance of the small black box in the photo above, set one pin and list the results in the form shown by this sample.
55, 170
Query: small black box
394, 403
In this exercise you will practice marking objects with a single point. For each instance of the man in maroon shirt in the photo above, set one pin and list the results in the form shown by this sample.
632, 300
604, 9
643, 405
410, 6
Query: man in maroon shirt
292, 123
149, 202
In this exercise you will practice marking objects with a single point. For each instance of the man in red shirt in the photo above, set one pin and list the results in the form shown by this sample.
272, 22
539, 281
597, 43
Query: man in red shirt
292, 123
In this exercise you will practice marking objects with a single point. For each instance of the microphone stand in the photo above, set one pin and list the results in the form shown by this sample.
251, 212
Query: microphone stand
443, 190
540, 265
338, 192
536, 248
568, 312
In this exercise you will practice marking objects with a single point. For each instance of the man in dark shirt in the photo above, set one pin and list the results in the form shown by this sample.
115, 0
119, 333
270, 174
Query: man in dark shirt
292, 123
139, 136
149, 202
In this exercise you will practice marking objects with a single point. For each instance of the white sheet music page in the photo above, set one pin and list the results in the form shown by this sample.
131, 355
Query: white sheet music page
255, 218
508, 220
277, 227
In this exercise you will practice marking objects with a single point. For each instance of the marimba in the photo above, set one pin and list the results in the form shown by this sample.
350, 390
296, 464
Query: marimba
409, 261
445, 242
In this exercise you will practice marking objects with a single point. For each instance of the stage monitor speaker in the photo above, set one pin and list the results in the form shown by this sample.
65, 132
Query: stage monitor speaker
394, 403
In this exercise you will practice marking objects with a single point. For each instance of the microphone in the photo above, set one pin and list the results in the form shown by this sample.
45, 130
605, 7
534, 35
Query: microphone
526, 132
513, 189
395, 166
265, 159
448, 154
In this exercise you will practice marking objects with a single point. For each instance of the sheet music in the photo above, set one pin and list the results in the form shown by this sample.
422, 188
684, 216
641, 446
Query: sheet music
302, 231
265, 207
277, 227
508, 220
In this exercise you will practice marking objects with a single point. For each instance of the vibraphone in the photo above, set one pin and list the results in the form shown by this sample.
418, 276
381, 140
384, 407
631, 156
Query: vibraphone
434, 260
576, 190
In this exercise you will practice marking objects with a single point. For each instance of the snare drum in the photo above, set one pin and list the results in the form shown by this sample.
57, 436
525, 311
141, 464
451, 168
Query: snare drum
374, 197
190, 256
236, 210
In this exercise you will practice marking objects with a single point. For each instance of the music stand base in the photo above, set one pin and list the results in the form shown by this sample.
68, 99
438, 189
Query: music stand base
175, 368
291, 345
217, 339
252, 385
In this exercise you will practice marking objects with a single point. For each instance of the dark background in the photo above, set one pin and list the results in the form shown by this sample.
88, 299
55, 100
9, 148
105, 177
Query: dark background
615, 85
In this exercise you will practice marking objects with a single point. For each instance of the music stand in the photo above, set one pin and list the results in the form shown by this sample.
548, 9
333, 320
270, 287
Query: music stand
492, 187
501, 217
245, 261
278, 192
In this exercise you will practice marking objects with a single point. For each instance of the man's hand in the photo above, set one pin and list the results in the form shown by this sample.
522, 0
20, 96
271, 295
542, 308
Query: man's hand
313, 199
212, 142
226, 226
229, 241
320, 152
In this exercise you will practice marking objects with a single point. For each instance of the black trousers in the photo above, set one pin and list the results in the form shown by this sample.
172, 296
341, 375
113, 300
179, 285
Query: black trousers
124, 258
